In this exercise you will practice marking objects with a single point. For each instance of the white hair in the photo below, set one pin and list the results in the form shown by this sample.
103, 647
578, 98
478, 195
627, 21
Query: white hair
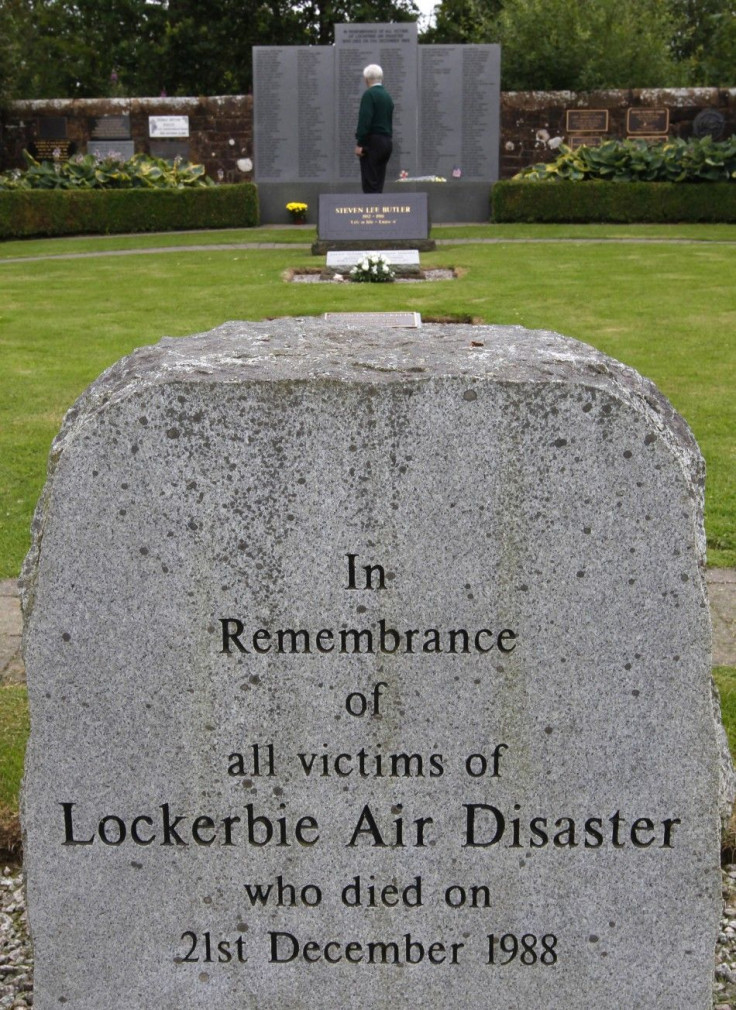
373, 73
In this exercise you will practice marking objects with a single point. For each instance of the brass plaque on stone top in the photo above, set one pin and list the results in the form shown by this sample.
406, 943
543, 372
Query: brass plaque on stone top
406, 320
584, 140
647, 122
586, 121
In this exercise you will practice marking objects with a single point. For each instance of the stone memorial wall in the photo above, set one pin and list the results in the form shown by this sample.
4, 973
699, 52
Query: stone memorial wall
446, 106
394, 48
371, 669
294, 119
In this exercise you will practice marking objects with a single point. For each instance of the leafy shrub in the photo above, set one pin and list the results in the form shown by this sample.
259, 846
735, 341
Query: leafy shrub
704, 160
87, 171
520, 200
27, 212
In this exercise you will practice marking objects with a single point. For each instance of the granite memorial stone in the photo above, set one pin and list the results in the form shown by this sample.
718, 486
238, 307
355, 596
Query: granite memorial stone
383, 216
371, 668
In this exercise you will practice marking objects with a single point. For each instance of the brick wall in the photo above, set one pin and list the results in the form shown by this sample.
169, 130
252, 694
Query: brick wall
530, 120
221, 129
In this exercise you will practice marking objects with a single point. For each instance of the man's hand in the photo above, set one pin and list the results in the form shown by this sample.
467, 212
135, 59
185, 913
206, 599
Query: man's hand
359, 151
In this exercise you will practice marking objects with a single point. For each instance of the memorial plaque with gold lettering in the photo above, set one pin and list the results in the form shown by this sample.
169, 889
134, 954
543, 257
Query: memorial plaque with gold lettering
51, 150
586, 121
647, 122
348, 217
584, 140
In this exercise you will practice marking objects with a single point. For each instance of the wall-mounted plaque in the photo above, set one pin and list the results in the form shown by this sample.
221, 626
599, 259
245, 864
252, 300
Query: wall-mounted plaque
170, 149
52, 150
122, 149
709, 123
111, 128
584, 140
647, 122
168, 126
654, 139
586, 121
52, 128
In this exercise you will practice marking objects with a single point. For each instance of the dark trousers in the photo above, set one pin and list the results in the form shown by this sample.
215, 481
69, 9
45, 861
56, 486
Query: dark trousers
377, 150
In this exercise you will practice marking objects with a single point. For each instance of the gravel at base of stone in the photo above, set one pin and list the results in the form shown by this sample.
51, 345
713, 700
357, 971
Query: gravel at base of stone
16, 959
724, 986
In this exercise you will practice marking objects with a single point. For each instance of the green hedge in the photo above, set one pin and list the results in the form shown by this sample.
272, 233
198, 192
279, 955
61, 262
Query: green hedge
589, 202
25, 213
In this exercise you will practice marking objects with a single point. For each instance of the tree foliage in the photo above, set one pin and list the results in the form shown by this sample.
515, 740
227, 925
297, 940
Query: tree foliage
588, 44
705, 40
458, 21
91, 48
12, 13
583, 45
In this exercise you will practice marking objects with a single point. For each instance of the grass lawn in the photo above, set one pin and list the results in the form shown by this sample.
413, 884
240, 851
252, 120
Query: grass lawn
307, 234
667, 309
14, 727
725, 677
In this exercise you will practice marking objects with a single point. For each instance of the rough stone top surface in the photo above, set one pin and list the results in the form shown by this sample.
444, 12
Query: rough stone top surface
299, 349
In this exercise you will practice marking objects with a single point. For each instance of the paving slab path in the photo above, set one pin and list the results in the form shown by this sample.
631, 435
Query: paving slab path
721, 594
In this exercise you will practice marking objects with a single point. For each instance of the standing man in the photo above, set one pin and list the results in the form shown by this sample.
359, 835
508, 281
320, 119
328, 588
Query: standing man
375, 128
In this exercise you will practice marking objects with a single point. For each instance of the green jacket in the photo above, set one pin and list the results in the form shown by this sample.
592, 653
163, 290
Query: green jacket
376, 113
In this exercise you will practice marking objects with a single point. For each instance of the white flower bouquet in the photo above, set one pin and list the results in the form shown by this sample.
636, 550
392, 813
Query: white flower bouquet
374, 268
